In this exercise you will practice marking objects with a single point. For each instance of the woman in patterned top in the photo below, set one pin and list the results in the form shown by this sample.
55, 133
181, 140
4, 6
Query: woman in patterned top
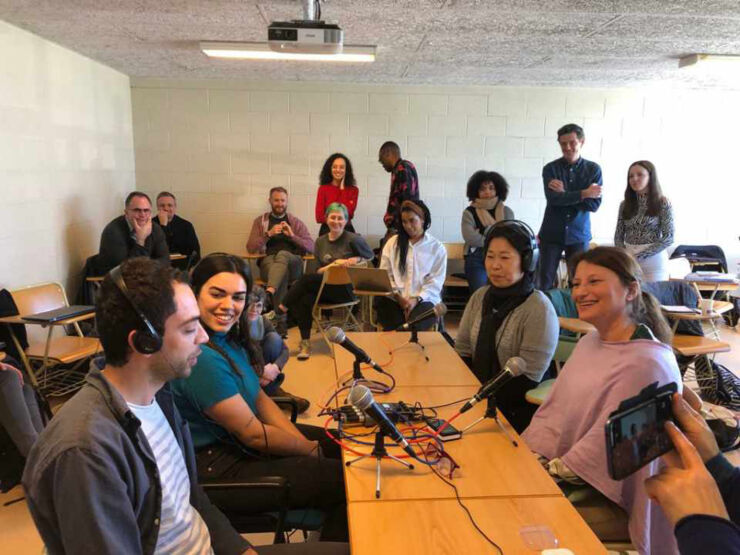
645, 222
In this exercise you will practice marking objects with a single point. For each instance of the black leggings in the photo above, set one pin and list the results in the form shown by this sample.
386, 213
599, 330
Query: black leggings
302, 296
391, 316
315, 483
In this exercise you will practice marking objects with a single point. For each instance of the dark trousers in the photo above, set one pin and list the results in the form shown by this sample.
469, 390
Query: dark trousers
550, 258
475, 270
20, 414
315, 483
391, 316
302, 296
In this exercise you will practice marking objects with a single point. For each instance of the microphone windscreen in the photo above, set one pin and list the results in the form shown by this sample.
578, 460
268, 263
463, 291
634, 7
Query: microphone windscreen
335, 334
516, 365
360, 397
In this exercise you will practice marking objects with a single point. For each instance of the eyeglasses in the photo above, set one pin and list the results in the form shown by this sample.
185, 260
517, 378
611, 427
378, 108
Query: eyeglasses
443, 462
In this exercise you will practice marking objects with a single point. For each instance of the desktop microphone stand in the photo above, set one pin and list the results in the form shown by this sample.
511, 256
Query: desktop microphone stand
414, 339
379, 452
356, 374
492, 413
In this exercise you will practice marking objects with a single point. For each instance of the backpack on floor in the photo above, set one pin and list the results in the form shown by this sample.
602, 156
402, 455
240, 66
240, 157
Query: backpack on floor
720, 385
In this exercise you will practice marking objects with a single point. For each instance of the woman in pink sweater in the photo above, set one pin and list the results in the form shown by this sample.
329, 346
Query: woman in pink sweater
628, 351
336, 184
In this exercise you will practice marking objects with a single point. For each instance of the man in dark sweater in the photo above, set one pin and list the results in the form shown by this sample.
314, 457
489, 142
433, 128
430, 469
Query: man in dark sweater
404, 184
132, 235
179, 233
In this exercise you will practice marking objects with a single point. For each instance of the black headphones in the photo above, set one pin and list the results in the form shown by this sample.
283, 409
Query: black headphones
146, 341
531, 254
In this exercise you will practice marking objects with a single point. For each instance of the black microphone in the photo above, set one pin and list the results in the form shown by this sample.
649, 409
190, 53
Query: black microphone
514, 367
438, 310
337, 335
361, 398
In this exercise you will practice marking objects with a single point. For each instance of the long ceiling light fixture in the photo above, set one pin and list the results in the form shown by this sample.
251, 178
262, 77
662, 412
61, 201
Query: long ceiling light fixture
263, 51
715, 61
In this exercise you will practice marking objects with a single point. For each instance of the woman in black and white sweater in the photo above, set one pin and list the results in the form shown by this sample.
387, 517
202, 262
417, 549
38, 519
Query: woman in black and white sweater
645, 222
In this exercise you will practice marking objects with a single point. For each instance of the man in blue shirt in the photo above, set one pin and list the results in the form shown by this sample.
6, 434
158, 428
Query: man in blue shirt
573, 189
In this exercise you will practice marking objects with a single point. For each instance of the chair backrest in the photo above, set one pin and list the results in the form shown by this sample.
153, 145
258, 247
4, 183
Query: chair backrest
454, 250
337, 275
39, 298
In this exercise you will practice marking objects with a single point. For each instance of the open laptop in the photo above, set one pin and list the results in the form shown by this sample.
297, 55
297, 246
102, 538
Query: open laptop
374, 280
58, 314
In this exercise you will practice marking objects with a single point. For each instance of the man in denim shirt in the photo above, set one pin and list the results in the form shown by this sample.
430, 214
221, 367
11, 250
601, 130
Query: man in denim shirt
573, 189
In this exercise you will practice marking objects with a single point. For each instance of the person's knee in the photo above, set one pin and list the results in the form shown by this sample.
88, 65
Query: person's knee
272, 346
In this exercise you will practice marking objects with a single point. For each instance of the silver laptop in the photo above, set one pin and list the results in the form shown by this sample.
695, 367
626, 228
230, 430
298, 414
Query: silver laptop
375, 280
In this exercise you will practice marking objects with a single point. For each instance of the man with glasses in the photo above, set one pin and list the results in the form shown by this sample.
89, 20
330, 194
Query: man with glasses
132, 235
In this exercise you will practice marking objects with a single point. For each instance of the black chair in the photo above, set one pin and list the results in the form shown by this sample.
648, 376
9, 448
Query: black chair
280, 520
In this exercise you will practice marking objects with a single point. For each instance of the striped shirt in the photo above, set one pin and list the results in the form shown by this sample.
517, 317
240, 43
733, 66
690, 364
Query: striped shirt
181, 528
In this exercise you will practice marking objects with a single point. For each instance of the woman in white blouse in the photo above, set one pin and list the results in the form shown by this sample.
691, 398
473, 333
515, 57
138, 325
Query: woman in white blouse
417, 264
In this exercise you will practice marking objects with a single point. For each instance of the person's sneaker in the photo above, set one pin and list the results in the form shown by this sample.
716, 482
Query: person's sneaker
302, 403
304, 350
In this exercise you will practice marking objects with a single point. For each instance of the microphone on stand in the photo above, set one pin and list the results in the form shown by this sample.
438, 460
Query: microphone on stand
362, 399
514, 367
337, 335
438, 310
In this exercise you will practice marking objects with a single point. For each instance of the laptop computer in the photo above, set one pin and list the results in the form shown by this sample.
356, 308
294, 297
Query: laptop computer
375, 280
58, 314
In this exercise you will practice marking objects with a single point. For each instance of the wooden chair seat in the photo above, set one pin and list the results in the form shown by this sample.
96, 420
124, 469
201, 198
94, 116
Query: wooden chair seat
539, 394
66, 349
455, 281
694, 345
332, 306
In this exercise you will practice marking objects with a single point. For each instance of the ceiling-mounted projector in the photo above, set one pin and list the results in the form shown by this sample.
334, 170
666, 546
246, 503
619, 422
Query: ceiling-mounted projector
305, 37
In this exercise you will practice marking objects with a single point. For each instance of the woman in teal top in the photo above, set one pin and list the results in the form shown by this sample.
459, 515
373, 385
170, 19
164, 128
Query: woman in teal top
238, 431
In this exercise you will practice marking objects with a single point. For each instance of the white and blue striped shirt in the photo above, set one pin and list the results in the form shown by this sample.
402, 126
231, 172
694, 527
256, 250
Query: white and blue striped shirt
181, 528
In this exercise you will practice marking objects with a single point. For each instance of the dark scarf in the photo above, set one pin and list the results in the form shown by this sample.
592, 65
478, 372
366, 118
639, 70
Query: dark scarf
498, 303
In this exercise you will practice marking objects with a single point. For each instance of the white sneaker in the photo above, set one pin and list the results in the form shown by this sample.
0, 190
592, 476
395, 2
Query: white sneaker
304, 350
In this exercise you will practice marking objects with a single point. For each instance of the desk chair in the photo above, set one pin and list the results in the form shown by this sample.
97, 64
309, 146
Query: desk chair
335, 275
455, 281
50, 351
282, 519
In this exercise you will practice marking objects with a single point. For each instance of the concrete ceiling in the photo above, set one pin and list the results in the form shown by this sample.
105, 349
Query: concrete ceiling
440, 42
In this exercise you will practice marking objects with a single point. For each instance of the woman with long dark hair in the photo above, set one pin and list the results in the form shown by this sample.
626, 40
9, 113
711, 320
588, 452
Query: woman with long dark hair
238, 431
508, 318
628, 350
336, 184
645, 221
486, 192
417, 264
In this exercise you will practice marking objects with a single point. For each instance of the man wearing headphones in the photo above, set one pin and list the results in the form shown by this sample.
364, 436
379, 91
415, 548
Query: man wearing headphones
509, 318
114, 472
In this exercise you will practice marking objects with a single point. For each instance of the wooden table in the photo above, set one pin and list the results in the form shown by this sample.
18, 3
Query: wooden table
441, 527
406, 361
484, 450
503, 486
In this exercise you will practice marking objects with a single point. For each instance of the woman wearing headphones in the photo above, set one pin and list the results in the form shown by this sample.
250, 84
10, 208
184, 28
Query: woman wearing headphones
239, 433
417, 264
509, 318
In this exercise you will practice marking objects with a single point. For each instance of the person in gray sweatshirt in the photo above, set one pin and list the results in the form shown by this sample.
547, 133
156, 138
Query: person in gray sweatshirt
509, 318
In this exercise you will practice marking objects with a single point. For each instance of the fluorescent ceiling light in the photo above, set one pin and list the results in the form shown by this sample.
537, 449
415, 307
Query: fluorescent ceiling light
261, 51
715, 61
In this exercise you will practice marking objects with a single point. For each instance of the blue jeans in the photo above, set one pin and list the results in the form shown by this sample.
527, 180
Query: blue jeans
272, 346
475, 270
549, 260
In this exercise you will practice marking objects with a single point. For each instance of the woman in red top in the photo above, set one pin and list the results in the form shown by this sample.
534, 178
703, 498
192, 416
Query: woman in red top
336, 184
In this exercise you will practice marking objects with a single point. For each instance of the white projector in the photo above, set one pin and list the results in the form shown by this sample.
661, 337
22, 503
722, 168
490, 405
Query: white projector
305, 37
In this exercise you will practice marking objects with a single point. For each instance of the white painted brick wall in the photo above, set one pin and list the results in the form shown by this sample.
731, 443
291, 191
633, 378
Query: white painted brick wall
67, 156
261, 135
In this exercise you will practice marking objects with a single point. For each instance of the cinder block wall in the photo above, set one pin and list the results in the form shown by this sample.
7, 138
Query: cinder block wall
66, 157
221, 145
